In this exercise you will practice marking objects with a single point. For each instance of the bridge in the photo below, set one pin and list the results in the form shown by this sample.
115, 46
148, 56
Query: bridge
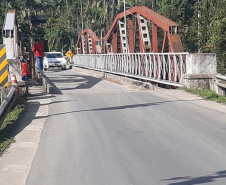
140, 44
106, 121
133, 51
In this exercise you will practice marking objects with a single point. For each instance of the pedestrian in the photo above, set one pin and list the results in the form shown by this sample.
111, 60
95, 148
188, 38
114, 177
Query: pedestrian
38, 49
26, 74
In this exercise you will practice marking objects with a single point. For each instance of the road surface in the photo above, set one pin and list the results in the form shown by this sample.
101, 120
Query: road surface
102, 133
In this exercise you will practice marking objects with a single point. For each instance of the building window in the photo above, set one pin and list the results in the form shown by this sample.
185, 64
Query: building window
7, 34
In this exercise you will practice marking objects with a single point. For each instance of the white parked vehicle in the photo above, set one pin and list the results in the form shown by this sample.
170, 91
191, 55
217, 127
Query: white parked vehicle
54, 59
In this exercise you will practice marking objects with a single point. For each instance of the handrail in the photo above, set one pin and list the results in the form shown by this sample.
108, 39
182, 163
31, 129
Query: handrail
221, 82
7, 100
165, 68
7, 103
181, 53
222, 77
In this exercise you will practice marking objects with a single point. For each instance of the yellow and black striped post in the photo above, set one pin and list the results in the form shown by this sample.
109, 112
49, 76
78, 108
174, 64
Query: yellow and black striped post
3, 67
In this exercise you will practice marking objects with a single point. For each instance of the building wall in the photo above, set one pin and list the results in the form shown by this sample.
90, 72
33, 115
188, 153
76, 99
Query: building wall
11, 43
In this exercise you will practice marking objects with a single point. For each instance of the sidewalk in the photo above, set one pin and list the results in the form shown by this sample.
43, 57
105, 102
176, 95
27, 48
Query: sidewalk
16, 161
185, 96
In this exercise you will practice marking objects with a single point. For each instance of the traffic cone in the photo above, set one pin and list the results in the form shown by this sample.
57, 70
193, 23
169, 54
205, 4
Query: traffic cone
14, 84
14, 81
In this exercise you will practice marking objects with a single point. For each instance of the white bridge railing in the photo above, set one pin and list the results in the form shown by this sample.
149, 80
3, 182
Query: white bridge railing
165, 68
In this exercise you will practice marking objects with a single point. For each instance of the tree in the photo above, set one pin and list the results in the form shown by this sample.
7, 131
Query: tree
64, 20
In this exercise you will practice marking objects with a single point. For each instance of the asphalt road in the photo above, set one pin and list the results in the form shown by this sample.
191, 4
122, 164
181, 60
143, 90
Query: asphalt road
102, 133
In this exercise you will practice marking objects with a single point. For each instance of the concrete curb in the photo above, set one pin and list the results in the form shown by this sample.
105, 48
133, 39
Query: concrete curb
45, 83
116, 78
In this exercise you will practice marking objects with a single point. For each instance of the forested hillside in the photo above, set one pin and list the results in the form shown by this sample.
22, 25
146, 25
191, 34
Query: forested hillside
64, 20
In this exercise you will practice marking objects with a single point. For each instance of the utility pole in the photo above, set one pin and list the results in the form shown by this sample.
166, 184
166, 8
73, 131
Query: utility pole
199, 26
69, 25
81, 14
82, 36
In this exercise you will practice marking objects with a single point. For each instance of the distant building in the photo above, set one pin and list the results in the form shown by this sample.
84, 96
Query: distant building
10, 35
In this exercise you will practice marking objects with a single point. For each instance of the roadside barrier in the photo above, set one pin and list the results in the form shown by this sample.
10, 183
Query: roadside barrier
46, 84
221, 85
164, 68
7, 104
3, 67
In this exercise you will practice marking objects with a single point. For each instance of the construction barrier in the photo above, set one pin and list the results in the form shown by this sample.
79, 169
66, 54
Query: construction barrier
3, 67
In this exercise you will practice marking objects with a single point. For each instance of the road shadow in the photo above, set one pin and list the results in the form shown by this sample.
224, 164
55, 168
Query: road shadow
57, 69
80, 81
66, 80
116, 107
27, 116
14, 127
39, 96
89, 82
55, 102
188, 180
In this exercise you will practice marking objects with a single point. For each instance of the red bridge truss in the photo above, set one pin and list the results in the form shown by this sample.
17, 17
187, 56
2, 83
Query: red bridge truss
139, 21
88, 43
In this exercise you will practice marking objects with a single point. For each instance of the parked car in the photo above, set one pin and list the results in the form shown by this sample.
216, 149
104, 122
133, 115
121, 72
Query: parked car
54, 59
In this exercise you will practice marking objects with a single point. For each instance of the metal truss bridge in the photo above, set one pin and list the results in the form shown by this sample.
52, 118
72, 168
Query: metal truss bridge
132, 48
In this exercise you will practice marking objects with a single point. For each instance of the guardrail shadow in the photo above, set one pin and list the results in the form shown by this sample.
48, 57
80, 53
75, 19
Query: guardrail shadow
15, 127
132, 106
188, 180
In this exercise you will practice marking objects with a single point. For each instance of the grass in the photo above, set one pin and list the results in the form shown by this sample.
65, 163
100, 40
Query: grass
8, 126
207, 94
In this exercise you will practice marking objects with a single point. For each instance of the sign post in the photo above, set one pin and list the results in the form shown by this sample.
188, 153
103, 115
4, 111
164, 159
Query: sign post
69, 54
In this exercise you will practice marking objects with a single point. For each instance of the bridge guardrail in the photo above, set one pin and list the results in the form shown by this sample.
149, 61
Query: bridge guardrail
4, 108
165, 68
221, 83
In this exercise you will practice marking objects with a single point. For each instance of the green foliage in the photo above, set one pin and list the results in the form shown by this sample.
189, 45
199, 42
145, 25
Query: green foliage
218, 39
8, 126
65, 24
207, 94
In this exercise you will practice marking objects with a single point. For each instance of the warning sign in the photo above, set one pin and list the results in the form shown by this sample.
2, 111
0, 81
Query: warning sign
3, 67
69, 54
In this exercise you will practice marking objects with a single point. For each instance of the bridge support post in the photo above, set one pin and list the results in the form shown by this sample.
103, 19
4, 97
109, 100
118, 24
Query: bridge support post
201, 69
140, 34
131, 39
80, 46
154, 38
115, 42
